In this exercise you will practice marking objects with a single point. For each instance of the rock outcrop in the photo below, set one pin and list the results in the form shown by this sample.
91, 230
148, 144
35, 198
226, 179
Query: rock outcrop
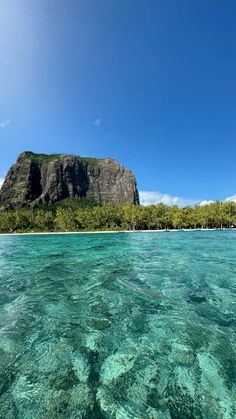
41, 179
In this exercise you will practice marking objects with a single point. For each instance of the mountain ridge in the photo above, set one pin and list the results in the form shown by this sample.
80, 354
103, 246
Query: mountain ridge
45, 179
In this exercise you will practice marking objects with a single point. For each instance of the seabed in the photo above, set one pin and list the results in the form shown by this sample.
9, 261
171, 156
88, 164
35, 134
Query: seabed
124, 326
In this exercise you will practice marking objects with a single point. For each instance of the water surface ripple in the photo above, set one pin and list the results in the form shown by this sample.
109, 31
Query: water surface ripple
123, 326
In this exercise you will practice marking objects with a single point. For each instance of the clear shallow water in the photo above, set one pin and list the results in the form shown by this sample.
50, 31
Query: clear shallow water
118, 326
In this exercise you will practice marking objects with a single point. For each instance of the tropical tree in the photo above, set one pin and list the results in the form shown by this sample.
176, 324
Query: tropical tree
65, 220
130, 216
44, 220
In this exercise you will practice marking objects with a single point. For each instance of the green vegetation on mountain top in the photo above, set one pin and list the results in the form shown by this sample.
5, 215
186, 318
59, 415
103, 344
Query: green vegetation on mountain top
91, 161
47, 158
39, 158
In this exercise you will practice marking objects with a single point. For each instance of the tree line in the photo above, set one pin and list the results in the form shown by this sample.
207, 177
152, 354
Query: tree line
125, 217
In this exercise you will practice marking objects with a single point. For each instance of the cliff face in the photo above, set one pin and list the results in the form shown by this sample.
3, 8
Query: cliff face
37, 179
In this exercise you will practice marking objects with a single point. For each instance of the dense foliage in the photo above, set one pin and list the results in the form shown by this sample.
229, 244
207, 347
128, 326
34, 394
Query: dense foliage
126, 217
46, 158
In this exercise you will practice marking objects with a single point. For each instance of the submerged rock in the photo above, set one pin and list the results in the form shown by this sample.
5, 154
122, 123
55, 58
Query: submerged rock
116, 365
100, 324
215, 395
80, 365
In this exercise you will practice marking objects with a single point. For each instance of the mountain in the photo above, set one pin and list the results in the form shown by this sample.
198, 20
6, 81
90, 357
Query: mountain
42, 179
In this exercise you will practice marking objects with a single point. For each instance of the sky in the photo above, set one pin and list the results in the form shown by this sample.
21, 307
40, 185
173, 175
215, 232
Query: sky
148, 83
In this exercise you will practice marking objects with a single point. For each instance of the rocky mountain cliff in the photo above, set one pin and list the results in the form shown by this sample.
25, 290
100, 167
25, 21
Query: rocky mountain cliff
41, 179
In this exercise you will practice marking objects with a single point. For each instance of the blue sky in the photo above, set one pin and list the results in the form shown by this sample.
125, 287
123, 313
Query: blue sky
149, 83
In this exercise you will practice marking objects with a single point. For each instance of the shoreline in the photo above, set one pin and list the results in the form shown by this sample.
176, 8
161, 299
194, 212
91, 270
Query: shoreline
114, 231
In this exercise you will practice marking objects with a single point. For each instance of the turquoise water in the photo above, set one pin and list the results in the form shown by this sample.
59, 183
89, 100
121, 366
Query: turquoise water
128, 325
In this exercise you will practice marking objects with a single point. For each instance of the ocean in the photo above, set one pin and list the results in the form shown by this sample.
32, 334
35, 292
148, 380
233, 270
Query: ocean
126, 325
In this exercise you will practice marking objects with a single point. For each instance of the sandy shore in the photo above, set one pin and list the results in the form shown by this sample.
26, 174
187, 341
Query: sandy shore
112, 232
